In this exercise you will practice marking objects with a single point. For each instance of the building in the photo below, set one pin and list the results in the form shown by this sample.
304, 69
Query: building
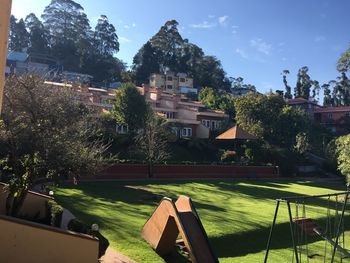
173, 83
41, 64
336, 119
100, 99
190, 118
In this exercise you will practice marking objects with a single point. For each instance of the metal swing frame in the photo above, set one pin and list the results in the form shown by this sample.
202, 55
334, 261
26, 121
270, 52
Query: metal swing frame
288, 201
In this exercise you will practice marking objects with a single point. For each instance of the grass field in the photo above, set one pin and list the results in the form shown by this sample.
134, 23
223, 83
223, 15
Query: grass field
236, 215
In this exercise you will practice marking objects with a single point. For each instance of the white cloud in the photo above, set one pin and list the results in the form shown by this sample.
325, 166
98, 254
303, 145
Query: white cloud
235, 26
261, 46
126, 26
124, 40
242, 53
249, 56
133, 25
223, 20
211, 16
204, 24
319, 39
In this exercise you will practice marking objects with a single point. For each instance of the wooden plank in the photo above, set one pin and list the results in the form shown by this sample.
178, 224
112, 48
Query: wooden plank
5, 13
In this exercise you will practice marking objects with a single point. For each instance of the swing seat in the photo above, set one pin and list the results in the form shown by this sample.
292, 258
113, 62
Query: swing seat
308, 225
310, 228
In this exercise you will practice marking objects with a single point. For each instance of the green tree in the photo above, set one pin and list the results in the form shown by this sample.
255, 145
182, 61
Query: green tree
105, 37
130, 107
343, 153
303, 85
146, 62
343, 63
38, 139
269, 118
19, 37
39, 37
66, 21
217, 101
208, 97
70, 32
167, 50
288, 93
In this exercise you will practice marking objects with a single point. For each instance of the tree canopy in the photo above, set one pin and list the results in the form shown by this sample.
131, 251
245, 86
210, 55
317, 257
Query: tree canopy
130, 107
168, 51
66, 35
43, 134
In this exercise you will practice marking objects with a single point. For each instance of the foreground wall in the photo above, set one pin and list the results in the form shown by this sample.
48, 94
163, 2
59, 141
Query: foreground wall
33, 206
23, 241
140, 171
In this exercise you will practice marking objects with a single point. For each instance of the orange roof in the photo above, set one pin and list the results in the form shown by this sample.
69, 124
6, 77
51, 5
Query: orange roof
297, 100
301, 101
333, 109
236, 133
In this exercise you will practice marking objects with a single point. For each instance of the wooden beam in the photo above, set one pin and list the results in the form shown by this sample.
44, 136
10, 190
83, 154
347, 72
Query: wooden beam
5, 13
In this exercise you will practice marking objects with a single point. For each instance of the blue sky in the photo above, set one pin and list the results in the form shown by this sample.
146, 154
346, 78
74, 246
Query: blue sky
253, 39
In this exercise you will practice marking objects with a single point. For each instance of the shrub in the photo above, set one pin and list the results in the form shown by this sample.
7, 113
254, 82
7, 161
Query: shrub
77, 226
228, 156
55, 213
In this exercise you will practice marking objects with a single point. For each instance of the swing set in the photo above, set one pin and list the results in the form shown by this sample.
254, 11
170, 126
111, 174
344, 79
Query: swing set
303, 226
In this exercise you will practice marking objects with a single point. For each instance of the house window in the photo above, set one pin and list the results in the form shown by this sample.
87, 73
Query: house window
206, 123
330, 116
182, 80
347, 114
169, 115
122, 129
169, 86
170, 78
187, 132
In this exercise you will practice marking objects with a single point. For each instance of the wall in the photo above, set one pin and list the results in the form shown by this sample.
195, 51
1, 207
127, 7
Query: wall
23, 241
132, 171
34, 203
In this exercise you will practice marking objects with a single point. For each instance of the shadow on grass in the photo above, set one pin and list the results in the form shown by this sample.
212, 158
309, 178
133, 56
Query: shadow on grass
243, 243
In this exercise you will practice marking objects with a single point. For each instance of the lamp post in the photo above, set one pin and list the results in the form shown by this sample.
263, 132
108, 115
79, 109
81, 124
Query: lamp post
5, 13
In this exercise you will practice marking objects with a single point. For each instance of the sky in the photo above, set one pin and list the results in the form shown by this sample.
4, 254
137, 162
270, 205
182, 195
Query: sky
253, 39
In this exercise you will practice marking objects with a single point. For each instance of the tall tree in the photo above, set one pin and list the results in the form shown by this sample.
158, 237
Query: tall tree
327, 97
19, 37
167, 50
288, 93
38, 35
130, 107
70, 31
146, 62
343, 64
66, 21
105, 37
303, 85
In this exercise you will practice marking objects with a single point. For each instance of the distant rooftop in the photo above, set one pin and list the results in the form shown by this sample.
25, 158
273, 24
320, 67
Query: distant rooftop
17, 56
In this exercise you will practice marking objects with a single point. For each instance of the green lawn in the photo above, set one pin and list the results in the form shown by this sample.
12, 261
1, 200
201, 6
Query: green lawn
236, 215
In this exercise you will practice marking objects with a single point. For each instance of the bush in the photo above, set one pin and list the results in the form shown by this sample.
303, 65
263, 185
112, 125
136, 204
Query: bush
55, 213
228, 156
77, 226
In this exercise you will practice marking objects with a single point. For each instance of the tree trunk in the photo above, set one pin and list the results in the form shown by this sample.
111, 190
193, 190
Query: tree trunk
150, 170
